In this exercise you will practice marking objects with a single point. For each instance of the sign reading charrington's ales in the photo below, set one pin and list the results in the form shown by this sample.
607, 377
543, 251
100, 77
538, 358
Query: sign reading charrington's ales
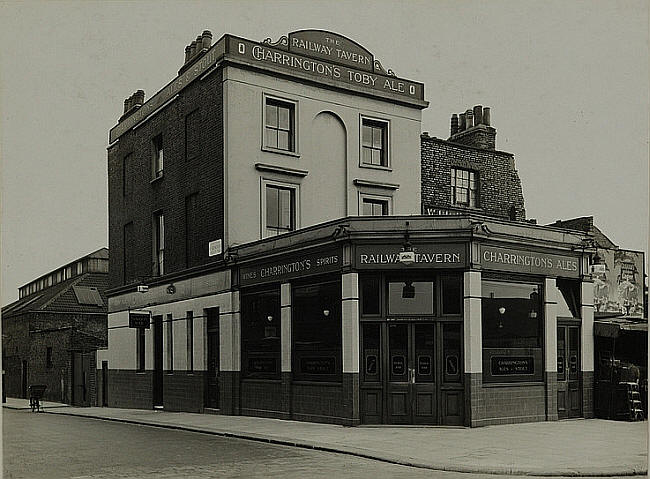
431, 255
291, 267
519, 261
511, 365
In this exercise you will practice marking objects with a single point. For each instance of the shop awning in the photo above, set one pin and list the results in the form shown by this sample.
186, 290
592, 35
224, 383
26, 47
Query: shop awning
612, 327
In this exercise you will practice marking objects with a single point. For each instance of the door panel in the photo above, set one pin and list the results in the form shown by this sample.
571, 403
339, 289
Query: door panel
398, 388
157, 361
423, 387
212, 379
569, 393
451, 366
372, 404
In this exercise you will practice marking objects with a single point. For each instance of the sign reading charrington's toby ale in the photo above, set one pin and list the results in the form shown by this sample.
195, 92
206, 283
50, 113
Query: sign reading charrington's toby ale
431, 255
291, 267
519, 261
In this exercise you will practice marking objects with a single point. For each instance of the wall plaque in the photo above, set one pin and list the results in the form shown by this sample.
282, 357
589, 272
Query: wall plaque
512, 365
139, 319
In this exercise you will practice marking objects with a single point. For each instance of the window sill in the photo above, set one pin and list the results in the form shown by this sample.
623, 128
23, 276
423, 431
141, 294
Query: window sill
269, 149
375, 167
159, 177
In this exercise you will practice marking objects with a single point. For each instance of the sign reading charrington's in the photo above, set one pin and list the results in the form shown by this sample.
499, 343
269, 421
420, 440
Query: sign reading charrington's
286, 268
518, 261
432, 255
270, 56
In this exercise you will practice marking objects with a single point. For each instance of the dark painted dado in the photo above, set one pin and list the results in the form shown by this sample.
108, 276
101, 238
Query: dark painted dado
263, 397
229, 392
551, 396
183, 391
588, 394
130, 389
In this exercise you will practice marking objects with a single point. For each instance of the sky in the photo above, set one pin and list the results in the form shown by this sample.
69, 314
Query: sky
567, 83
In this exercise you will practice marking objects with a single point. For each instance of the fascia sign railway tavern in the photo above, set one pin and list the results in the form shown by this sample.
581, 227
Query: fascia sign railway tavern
285, 242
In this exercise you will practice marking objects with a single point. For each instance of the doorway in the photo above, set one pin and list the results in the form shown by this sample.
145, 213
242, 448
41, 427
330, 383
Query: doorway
105, 383
80, 372
157, 362
24, 379
212, 379
569, 392
412, 373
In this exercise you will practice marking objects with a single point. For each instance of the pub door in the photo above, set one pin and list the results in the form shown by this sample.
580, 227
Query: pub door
569, 392
157, 362
212, 379
412, 373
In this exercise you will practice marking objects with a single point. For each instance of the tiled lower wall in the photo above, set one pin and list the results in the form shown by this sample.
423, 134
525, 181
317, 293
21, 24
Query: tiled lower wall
588, 394
497, 404
128, 388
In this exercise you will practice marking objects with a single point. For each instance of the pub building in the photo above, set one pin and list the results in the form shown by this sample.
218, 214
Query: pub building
288, 244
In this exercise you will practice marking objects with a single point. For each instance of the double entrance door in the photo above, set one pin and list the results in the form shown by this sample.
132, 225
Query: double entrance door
412, 373
569, 391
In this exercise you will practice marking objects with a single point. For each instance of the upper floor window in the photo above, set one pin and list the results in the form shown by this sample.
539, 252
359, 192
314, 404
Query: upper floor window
374, 207
374, 142
159, 244
280, 210
279, 125
157, 157
464, 187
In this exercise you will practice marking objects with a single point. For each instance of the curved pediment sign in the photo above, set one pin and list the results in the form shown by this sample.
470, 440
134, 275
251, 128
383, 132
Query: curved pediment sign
332, 47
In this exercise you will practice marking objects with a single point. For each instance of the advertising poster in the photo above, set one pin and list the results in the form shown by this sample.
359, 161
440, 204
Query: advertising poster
619, 290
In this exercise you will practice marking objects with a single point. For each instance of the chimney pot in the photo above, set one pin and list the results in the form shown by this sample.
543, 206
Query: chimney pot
138, 97
126, 105
478, 115
454, 124
469, 119
192, 49
187, 53
206, 38
199, 44
463, 122
486, 116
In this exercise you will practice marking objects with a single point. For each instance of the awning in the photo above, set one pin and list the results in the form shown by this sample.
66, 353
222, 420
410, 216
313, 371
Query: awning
612, 327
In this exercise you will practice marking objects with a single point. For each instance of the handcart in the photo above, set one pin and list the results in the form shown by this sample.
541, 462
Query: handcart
35, 394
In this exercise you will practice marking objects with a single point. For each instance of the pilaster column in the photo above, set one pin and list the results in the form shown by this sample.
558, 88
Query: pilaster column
550, 347
587, 347
285, 346
473, 342
230, 355
350, 337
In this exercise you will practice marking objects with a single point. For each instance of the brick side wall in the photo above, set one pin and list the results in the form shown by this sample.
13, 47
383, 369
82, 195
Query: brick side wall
183, 176
500, 190
130, 389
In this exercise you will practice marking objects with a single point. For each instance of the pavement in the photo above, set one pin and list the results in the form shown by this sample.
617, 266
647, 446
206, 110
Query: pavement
579, 447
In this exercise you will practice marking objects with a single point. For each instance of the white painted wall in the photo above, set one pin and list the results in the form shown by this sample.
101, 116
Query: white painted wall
350, 322
587, 326
472, 334
550, 322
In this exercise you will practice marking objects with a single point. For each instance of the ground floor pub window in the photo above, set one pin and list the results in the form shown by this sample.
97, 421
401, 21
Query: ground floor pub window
316, 332
410, 297
512, 323
260, 333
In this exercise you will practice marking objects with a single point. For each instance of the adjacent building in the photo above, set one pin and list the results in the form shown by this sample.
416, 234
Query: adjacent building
287, 243
51, 334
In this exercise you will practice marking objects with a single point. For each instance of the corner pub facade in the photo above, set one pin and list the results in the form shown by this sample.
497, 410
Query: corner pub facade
286, 243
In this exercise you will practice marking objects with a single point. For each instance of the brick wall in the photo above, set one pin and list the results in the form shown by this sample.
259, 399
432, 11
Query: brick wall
183, 175
183, 391
500, 192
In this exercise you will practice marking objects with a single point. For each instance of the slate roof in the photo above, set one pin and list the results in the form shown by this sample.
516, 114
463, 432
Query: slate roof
586, 224
61, 297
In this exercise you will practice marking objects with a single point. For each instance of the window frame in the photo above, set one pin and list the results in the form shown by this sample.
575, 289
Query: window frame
157, 157
264, 182
376, 198
292, 104
386, 147
158, 243
453, 178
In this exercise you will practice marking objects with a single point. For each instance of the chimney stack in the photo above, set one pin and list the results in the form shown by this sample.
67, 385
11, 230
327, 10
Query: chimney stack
454, 124
138, 98
473, 128
196, 49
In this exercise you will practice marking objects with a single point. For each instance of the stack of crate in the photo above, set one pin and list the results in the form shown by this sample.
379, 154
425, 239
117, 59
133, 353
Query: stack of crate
629, 402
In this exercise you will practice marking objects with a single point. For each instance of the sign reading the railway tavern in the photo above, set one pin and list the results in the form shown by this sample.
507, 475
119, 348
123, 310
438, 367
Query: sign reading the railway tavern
331, 46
